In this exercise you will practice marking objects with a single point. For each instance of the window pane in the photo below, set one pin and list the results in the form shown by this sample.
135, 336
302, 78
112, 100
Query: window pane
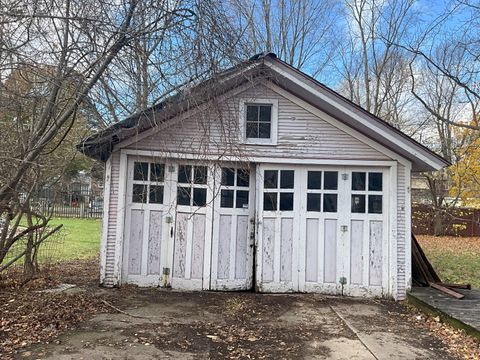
314, 180
358, 181
183, 195
184, 174
156, 194
140, 171
199, 197
313, 202
264, 130
200, 175
286, 201
330, 203
252, 130
243, 177
270, 179
330, 180
252, 112
242, 199
358, 203
139, 193
228, 176
286, 179
157, 172
270, 201
375, 181
226, 199
375, 204
265, 113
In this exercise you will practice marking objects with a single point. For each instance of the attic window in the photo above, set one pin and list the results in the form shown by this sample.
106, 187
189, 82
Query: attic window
258, 121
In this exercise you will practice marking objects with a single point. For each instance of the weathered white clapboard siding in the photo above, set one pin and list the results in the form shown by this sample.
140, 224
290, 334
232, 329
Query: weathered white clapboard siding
108, 266
300, 134
401, 232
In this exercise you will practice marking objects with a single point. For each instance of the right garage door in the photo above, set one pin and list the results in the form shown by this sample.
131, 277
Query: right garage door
329, 234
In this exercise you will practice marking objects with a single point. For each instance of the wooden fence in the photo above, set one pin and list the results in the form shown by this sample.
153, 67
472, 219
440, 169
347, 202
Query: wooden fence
457, 221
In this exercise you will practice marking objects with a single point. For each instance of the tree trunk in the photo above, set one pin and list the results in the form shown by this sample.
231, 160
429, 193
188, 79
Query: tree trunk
438, 222
28, 265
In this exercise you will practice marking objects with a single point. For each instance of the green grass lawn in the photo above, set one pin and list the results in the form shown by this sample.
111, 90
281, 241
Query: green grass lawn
456, 260
79, 239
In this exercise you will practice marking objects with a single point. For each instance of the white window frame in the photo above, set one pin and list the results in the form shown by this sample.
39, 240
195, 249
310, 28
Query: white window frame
274, 121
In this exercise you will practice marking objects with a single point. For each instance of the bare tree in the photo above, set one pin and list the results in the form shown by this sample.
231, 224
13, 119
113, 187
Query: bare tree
448, 49
80, 44
158, 64
444, 103
300, 32
372, 68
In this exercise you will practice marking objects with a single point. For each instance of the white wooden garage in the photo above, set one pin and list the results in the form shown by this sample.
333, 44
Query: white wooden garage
263, 179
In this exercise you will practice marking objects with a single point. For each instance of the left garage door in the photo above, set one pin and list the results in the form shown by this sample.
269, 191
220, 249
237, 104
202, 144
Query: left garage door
145, 246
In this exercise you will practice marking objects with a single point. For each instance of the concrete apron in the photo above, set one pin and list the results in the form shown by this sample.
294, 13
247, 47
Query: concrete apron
192, 326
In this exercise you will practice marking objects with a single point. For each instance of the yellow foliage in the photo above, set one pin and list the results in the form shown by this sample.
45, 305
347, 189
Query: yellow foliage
465, 173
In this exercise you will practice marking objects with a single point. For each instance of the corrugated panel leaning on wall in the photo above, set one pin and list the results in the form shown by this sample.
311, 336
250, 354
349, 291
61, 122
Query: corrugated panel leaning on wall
112, 219
300, 134
401, 244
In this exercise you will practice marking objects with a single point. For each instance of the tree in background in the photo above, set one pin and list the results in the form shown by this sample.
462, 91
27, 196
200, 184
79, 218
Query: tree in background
55, 58
159, 63
372, 67
300, 32
71, 67
465, 172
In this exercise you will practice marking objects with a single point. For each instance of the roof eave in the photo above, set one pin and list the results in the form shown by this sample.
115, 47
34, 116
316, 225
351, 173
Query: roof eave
422, 158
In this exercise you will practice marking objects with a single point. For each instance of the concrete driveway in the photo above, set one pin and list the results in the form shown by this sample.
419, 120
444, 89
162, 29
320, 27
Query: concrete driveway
161, 324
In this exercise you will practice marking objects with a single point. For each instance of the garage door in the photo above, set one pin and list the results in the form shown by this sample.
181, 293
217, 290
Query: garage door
192, 201
322, 230
233, 228
148, 204
168, 212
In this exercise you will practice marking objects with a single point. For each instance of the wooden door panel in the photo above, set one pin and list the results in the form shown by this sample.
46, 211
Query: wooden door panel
135, 242
155, 242
232, 252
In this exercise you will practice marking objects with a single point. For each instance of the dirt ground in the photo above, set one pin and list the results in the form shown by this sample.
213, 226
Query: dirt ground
155, 324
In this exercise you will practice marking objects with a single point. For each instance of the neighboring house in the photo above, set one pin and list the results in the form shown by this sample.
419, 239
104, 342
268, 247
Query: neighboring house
260, 178
421, 193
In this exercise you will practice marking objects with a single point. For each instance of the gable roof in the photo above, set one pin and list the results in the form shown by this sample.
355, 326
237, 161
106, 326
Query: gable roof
101, 144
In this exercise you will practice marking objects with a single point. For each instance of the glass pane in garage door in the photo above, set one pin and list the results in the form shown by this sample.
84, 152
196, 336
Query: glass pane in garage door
278, 190
322, 191
367, 195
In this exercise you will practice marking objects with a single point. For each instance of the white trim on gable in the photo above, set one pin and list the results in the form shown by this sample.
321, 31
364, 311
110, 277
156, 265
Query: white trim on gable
336, 123
437, 165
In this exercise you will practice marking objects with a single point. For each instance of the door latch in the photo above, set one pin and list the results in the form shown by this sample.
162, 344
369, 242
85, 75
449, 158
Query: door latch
344, 228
